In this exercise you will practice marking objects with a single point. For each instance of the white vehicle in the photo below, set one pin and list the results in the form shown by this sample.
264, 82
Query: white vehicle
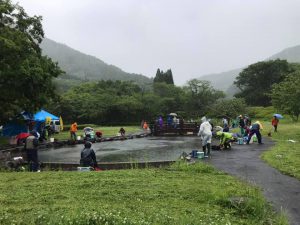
55, 125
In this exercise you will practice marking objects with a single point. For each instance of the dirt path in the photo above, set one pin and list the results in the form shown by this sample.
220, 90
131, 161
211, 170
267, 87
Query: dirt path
244, 161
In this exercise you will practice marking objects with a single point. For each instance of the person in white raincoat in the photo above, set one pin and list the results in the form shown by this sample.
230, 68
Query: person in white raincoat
206, 135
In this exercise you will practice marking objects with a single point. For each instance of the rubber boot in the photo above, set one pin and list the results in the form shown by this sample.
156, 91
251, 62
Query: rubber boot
204, 150
208, 149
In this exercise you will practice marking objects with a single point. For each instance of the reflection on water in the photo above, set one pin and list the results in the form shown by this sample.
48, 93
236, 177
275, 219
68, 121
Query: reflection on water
132, 150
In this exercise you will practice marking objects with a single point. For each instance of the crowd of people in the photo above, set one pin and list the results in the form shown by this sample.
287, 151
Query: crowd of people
247, 130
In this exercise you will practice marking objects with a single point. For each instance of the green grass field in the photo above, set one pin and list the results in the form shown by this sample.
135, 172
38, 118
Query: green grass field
180, 194
285, 155
107, 131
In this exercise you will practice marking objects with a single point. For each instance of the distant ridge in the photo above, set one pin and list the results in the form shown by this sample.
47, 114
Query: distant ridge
291, 54
85, 67
224, 81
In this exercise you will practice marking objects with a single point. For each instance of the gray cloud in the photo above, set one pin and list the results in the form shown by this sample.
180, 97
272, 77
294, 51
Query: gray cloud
191, 37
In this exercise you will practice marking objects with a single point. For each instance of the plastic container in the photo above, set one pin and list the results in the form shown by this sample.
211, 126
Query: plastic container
200, 155
240, 141
254, 138
51, 139
78, 138
83, 169
194, 153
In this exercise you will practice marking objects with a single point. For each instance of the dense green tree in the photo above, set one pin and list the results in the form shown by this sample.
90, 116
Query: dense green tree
200, 96
25, 75
229, 108
285, 95
256, 80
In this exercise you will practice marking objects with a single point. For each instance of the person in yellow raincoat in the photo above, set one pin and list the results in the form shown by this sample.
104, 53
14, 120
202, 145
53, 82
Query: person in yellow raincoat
255, 129
73, 131
225, 139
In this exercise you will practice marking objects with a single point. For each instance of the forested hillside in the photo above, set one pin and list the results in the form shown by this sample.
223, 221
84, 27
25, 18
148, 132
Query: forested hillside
224, 81
81, 67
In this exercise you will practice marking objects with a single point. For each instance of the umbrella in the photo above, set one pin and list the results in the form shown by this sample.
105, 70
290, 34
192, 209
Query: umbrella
278, 116
173, 114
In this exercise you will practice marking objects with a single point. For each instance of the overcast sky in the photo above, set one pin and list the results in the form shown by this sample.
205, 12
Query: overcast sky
192, 37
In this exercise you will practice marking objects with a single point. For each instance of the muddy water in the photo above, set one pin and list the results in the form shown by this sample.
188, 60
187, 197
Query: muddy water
133, 150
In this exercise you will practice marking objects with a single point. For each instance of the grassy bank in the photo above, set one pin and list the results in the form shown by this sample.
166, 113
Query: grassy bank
180, 194
285, 155
107, 131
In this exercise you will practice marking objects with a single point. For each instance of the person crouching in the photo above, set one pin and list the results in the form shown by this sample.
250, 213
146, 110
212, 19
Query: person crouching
88, 156
226, 139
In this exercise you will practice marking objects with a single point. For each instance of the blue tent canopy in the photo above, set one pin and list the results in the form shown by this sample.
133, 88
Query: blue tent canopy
13, 128
41, 116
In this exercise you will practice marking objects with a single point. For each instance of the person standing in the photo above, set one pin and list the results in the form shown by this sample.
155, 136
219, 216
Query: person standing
88, 156
122, 132
275, 122
160, 122
242, 125
255, 129
31, 144
73, 131
206, 135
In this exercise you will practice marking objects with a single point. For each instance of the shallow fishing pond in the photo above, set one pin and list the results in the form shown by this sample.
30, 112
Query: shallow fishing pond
147, 149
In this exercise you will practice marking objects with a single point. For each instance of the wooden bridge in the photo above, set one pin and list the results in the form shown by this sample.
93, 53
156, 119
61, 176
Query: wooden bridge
179, 129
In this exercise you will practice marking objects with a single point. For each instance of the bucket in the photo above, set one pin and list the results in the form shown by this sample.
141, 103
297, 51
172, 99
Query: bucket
78, 138
194, 153
200, 155
254, 138
83, 169
240, 141
51, 139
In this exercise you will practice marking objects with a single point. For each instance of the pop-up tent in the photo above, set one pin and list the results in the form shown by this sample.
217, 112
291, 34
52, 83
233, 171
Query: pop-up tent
18, 124
42, 115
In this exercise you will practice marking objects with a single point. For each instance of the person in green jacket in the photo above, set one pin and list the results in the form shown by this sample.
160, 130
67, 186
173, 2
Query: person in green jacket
225, 139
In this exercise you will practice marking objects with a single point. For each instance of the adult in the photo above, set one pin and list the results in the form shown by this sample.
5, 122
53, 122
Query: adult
255, 129
225, 139
181, 124
88, 156
275, 122
224, 121
31, 144
242, 125
160, 122
122, 132
206, 135
73, 131
226, 128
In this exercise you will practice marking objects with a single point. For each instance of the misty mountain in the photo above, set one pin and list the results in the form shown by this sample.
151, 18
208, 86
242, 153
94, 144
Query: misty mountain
292, 54
81, 67
224, 81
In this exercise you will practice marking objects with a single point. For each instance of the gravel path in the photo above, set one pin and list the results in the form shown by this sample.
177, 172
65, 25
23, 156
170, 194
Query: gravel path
244, 161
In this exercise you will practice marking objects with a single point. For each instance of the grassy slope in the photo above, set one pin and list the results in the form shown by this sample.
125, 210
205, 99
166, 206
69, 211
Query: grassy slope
181, 194
285, 155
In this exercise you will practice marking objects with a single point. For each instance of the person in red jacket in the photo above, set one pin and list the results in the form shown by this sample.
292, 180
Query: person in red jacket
275, 122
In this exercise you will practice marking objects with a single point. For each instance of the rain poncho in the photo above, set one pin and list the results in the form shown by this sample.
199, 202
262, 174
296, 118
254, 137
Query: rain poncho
257, 126
224, 136
205, 132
